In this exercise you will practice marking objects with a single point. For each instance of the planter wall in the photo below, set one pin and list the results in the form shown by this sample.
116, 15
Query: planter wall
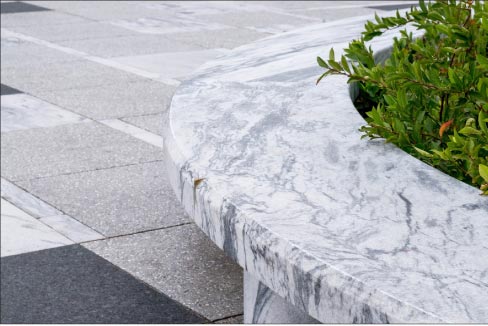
273, 170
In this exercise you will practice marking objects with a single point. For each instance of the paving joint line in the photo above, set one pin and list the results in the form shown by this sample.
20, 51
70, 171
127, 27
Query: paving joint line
93, 58
138, 232
127, 128
79, 172
228, 317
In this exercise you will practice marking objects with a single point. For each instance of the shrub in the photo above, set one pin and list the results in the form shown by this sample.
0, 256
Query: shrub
430, 96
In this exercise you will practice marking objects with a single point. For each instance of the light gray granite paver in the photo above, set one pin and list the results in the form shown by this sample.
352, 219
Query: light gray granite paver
114, 201
26, 201
128, 45
71, 148
182, 263
47, 214
114, 100
177, 65
37, 77
225, 38
77, 31
264, 21
101, 10
329, 14
17, 53
39, 18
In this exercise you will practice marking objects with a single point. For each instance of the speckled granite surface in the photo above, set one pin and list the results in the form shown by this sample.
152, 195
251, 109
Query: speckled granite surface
273, 170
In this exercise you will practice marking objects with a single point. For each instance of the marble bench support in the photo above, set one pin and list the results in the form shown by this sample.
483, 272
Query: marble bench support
263, 306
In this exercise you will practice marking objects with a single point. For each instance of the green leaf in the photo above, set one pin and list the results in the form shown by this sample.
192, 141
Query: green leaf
331, 54
322, 63
422, 5
483, 61
483, 170
469, 131
482, 121
335, 65
345, 64
422, 152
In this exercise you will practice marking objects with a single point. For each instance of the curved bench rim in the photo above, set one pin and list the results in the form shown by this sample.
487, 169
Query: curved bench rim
208, 203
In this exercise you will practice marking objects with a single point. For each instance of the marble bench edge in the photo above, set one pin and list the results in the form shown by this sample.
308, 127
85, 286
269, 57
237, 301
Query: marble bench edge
182, 177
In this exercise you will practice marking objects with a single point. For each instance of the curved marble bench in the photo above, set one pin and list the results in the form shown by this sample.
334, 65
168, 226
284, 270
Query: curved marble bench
326, 225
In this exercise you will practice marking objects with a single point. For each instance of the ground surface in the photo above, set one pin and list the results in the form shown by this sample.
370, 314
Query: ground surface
90, 228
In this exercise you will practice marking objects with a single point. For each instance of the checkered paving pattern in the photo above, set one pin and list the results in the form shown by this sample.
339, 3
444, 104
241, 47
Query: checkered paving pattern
91, 231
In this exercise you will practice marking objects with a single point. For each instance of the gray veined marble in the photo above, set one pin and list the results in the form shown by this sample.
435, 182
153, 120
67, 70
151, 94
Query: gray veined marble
165, 25
22, 111
71, 228
21, 233
263, 306
29, 203
273, 170
177, 65
198, 8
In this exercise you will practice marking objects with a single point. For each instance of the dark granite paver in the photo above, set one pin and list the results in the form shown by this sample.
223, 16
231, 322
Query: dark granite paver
17, 6
7, 90
73, 285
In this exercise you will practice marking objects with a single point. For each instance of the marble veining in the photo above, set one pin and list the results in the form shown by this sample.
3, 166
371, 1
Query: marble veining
177, 65
273, 170
197, 8
263, 306
22, 111
23, 233
176, 23
29, 203
71, 228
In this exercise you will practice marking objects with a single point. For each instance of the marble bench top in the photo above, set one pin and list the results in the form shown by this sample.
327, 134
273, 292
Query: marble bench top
273, 170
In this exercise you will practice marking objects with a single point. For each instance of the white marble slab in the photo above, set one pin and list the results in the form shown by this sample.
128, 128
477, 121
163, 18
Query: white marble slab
274, 171
23, 111
169, 24
22, 233
196, 8
177, 65
134, 131
71, 228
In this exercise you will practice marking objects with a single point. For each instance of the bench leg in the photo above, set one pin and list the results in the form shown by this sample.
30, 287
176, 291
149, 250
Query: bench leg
263, 306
